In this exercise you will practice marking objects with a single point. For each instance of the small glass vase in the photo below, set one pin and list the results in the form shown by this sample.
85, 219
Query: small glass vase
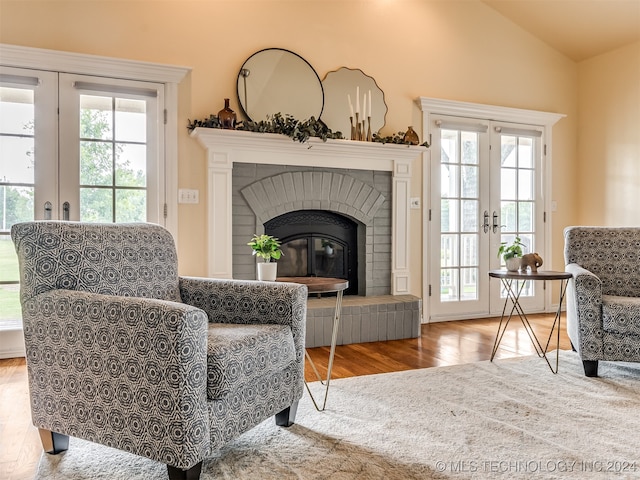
411, 137
227, 116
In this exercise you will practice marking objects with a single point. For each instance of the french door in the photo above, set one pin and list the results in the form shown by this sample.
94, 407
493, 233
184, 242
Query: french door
486, 188
73, 147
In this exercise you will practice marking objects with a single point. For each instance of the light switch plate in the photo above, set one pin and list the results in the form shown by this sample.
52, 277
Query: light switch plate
186, 195
414, 202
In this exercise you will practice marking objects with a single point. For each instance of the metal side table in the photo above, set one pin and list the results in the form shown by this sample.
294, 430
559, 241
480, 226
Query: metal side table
323, 285
509, 281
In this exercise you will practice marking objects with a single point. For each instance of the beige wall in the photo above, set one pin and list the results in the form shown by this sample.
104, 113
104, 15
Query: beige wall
608, 173
458, 50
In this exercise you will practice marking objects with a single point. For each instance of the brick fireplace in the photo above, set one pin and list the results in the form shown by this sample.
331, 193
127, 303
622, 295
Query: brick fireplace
266, 194
255, 179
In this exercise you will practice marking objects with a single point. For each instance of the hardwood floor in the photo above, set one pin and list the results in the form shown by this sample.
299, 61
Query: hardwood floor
443, 343
446, 343
20, 446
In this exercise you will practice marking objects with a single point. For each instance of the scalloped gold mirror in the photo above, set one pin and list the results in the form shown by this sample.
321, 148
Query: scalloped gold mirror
279, 81
343, 83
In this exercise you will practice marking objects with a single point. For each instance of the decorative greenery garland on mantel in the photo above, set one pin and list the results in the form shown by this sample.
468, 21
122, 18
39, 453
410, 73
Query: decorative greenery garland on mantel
296, 129
396, 138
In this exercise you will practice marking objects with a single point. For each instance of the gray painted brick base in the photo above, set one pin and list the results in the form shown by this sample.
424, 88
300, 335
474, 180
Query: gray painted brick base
363, 319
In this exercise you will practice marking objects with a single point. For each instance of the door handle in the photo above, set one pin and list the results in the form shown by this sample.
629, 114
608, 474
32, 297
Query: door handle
496, 226
66, 206
48, 208
485, 225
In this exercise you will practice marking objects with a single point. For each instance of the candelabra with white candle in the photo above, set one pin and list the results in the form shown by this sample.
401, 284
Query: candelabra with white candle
353, 128
369, 119
360, 130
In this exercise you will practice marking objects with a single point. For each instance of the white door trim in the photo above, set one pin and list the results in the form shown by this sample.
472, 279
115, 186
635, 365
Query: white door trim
433, 106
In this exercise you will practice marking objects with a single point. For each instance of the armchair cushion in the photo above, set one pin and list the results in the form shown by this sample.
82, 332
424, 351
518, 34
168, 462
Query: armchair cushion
239, 356
246, 302
621, 314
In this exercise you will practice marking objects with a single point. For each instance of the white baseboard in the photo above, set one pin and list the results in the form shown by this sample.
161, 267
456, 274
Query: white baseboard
12, 345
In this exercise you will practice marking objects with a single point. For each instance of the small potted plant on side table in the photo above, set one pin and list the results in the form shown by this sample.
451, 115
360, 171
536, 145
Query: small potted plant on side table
511, 254
267, 248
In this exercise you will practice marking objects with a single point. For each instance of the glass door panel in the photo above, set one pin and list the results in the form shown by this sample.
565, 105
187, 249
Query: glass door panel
27, 159
112, 159
459, 213
520, 187
457, 256
115, 172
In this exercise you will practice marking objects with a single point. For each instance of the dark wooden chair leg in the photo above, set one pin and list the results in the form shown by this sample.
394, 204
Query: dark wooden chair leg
192, 473
52, 442
590, 368
287, 417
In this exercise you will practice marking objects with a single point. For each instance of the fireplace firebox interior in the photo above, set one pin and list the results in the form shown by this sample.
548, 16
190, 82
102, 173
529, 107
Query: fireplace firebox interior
317, 243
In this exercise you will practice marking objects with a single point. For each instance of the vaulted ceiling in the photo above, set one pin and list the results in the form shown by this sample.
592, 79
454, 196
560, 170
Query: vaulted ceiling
580, 29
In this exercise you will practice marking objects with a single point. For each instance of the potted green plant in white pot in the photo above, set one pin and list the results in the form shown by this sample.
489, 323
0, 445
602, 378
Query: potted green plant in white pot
267, 248
511, 253
328, 246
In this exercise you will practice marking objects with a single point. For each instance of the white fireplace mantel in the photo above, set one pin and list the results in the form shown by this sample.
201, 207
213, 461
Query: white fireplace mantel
226, 147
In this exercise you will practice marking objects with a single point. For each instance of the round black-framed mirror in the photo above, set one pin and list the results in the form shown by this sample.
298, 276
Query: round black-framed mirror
275, 80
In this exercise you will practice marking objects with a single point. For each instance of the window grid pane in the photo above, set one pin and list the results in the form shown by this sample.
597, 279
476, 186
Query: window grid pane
449, 251
449, 291
96, 205
469, 284
470, 151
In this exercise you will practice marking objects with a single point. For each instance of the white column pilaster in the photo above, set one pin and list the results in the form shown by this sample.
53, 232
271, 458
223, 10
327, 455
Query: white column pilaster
219, 172
400, 227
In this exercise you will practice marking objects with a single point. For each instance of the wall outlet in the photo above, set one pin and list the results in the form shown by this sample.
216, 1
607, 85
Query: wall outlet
186, 195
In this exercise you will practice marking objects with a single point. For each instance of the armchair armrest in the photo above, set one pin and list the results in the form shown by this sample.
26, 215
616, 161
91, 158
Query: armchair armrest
126, 372
584, 311
250, 302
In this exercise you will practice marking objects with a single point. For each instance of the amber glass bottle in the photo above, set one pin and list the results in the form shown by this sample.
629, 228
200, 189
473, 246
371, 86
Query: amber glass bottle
227, 116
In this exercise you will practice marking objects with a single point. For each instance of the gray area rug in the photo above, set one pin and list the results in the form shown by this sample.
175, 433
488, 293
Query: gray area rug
511, 418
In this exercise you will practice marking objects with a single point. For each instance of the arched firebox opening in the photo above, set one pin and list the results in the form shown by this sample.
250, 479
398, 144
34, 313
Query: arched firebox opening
317, 243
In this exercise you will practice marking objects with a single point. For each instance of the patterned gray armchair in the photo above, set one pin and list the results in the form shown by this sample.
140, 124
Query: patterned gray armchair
603, 297
123, 352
